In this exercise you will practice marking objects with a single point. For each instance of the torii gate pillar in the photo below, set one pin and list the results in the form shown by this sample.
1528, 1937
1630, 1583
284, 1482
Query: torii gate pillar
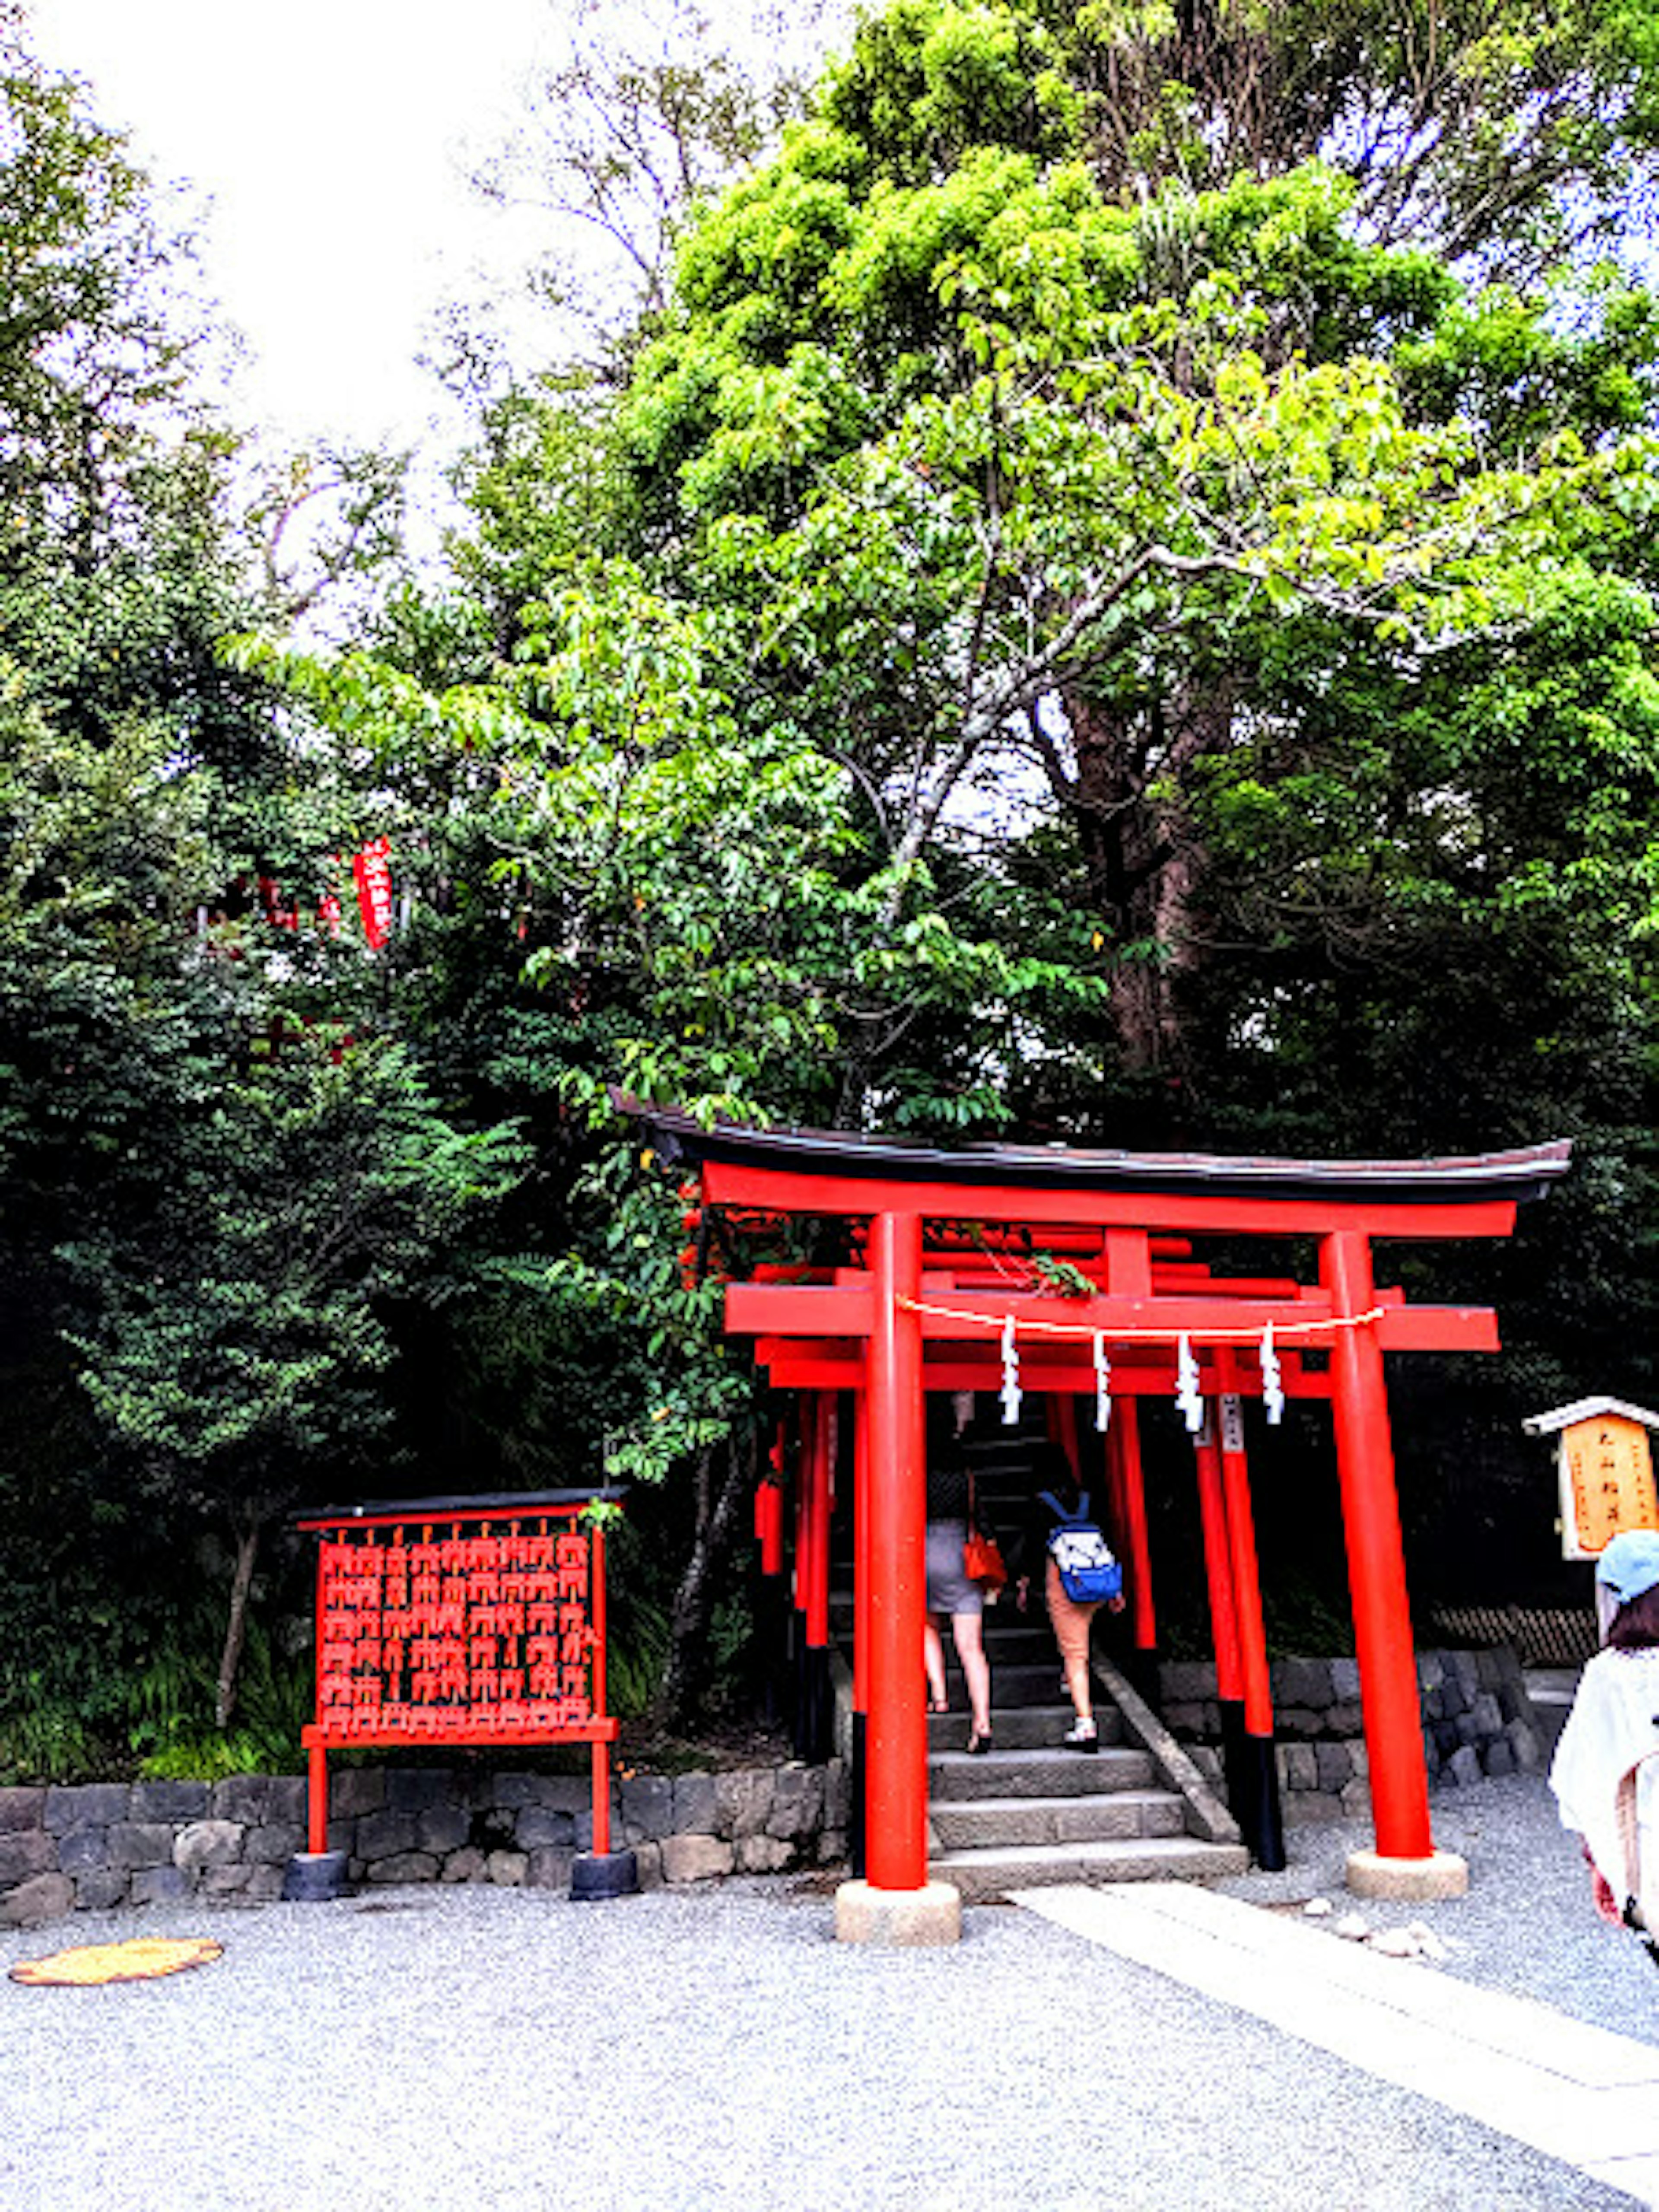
1404, 1864
895, 1904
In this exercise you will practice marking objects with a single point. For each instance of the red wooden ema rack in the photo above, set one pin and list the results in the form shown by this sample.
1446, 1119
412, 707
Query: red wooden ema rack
460, 1621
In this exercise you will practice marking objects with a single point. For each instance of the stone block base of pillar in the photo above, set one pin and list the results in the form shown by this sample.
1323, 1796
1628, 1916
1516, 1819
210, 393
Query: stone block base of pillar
1407, 1881
898, 1919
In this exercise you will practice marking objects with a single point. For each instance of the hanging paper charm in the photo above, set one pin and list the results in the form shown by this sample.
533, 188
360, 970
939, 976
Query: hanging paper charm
1011, 1389
1273, 1387
1103, 1385
1189, 1390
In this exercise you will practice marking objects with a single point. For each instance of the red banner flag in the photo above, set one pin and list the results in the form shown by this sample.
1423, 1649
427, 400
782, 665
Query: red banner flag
372, 868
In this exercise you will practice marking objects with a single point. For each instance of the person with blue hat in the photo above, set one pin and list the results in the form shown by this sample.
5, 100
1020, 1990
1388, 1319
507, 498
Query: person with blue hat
1606, 1770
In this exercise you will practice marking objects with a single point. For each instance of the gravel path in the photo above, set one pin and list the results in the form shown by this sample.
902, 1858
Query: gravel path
469, 2047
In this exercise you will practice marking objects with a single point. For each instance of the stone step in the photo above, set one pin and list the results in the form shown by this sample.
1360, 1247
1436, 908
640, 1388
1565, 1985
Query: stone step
1015, 1643
1018, 1642
953, 1777
1027, 1682
983, 1876
1011, 1823
1004, 1622
1018, 1727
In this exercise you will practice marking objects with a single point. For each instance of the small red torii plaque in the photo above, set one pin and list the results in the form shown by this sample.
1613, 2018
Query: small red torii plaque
459, 1621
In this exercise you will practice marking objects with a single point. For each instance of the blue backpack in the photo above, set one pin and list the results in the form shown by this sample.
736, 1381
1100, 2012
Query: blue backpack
1088, 1574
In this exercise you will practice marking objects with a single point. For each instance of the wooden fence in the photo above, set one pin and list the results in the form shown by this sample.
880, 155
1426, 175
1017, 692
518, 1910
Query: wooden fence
1541, 1636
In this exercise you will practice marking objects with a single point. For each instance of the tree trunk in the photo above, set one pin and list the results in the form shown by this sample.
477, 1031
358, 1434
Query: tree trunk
230, 1659
694, 1600
1143, 860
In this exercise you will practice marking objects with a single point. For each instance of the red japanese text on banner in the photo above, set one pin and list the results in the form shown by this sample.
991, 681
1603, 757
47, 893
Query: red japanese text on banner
372, 868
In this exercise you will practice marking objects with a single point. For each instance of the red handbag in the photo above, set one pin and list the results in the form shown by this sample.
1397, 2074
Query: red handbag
982, 1561
982, 1555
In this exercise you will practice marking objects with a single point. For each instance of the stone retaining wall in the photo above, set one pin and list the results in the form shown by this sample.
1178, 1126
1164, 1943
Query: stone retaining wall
1477, 1719
98, 1845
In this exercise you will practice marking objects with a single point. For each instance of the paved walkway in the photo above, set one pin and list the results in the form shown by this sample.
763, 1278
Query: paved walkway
1578, 2094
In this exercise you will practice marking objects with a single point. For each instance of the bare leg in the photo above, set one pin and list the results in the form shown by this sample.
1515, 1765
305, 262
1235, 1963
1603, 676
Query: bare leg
1078, 1687
1072, 1623
932, 1654
965, 1628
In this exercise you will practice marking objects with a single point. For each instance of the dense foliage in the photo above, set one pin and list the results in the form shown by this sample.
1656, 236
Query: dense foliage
223, 1172
1103, 592
1189, 475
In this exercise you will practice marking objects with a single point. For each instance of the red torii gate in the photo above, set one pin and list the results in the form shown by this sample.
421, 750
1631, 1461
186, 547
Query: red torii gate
925, 1306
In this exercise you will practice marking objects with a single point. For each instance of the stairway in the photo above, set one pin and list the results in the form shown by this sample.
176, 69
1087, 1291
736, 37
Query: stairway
1029, 1811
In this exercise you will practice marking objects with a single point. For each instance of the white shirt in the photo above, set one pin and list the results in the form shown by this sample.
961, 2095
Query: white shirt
1614, 1720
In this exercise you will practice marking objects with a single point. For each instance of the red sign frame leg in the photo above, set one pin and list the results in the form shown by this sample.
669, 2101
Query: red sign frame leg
601, 1749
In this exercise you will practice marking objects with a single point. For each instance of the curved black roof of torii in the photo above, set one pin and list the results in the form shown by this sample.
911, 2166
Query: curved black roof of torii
1475, 1178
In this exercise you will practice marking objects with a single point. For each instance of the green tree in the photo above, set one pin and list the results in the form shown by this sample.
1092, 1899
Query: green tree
1469, 127
245, 1368
648, 108
225, 1189
1105, 511
1185, 473
96, 346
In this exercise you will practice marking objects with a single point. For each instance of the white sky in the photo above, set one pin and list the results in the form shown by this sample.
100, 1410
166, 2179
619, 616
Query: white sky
329, 138
330, 141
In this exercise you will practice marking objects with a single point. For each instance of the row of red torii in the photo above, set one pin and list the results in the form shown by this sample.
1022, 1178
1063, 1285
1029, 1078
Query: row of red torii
926, 1305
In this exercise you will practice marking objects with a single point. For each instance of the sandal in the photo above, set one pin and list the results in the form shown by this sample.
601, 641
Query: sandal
978, 1744
939, 1705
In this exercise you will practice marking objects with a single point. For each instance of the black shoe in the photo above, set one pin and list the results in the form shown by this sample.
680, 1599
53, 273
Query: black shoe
978, 1744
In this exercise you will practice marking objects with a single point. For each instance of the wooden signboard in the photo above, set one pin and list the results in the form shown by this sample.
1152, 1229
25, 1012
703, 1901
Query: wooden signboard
1607, 1484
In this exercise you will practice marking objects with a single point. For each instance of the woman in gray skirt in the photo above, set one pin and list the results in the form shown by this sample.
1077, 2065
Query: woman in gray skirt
950, 1592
